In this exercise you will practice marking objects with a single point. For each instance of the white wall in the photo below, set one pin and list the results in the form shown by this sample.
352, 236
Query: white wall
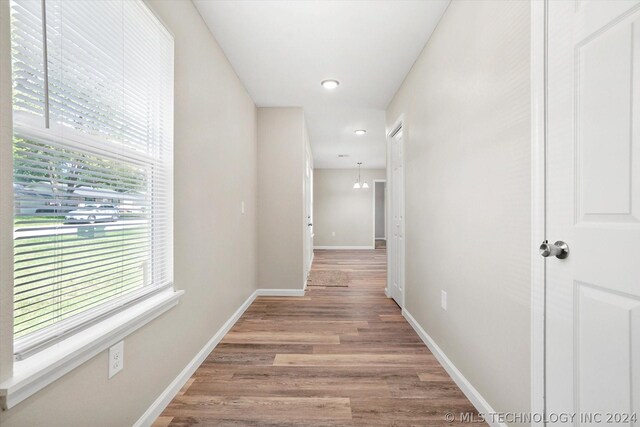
215, 245
466, 107
343, 210
282, 218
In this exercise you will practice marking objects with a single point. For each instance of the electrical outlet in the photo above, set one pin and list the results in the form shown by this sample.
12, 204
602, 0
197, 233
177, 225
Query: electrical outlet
116, 358
242, 208
443, 300
333, 234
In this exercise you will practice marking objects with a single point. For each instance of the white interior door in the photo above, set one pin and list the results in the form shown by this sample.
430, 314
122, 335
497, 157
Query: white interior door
396, 248
308, 211
593, 204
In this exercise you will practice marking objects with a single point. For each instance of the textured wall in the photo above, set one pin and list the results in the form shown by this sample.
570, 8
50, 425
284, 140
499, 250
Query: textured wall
281, 171
466, 107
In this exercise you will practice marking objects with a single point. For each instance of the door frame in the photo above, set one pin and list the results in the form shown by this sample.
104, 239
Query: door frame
307, 213
538, 203
374, 209
397, 125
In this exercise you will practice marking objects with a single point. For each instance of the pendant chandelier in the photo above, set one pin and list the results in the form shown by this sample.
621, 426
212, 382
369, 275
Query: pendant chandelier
360, 184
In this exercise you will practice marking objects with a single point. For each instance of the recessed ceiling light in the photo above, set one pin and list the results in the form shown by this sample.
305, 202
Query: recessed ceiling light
343, 155
330, 84
360, 132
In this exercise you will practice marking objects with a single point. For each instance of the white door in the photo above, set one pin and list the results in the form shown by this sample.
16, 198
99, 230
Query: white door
593, 204
396, 249
308, 212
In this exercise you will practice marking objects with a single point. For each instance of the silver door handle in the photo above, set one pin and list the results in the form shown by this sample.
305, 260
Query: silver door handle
558, 249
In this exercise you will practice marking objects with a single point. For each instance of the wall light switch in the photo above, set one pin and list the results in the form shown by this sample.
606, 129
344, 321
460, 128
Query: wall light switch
116, 358
242, 208
443, 300
333, 233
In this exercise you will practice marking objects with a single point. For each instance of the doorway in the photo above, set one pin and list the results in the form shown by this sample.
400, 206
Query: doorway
396, 244
308, 214
379, 213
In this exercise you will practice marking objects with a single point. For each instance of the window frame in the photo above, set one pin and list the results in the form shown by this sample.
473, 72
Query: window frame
20, 379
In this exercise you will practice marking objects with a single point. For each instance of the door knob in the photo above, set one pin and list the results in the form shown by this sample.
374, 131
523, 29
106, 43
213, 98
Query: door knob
558, 249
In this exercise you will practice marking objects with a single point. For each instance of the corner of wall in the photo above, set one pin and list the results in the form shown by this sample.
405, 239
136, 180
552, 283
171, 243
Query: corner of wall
281, 140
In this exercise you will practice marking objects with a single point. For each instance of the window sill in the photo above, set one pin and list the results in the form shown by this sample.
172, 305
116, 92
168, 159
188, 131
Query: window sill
41, 369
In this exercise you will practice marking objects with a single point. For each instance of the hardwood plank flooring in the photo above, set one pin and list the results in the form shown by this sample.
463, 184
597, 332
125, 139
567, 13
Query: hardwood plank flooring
339, 356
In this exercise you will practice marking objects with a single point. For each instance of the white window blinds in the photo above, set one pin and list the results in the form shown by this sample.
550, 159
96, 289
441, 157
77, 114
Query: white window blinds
93, 140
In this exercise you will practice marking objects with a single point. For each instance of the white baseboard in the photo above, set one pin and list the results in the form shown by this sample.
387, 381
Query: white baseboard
467, 388
156, 408
386, 292
344, 247
280, 292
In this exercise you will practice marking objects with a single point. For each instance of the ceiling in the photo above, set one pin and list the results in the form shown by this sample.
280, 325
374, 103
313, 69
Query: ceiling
282, 50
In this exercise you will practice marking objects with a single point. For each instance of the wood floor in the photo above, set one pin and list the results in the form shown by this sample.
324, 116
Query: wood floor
339, 356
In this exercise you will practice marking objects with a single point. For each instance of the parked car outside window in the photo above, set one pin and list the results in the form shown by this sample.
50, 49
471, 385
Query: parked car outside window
90, 214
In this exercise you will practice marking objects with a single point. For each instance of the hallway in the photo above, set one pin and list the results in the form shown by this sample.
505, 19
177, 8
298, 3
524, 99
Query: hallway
170, 169
337, 356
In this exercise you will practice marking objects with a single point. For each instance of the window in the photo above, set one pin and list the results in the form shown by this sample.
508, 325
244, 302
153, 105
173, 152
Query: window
93, 141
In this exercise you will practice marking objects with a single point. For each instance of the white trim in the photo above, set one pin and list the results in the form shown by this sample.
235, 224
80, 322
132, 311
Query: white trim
345, 247
313, 257
167, 395
38, 341
538, 172
150, 8
398, 125
306, 280
467, 388
6, 196
36, 372
280, 292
